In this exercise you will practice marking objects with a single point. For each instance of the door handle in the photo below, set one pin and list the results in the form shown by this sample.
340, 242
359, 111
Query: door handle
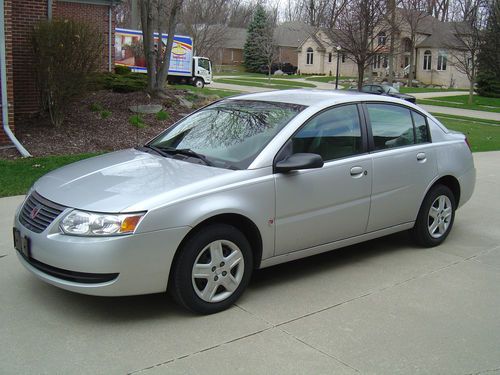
357, 171
421, 156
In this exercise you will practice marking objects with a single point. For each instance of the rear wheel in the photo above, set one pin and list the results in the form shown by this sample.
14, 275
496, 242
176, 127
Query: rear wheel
213, 269
198, 82
435, 218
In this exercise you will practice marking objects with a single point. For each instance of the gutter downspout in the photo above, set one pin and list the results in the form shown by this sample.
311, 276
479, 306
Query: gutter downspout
49, 10
110, 60
5, 103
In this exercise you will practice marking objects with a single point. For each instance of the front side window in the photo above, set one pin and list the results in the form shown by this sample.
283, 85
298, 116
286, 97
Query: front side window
309, 56
392, 125
204, 63
229, 133
442, 60
427, 60
334, 133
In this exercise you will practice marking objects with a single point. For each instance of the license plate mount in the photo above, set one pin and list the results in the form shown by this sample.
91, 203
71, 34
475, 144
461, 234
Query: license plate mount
22, 243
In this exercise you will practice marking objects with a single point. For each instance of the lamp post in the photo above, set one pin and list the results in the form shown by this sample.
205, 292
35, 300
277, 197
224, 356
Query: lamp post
337, 75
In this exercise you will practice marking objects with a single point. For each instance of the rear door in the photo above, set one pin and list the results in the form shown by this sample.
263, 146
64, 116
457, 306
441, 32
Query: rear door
404, 163
319, 206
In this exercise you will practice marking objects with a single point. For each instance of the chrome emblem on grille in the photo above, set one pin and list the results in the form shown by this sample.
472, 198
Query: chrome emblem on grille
34, 212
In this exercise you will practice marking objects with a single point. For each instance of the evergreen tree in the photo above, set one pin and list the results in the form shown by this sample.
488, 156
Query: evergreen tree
253, 54
488, 78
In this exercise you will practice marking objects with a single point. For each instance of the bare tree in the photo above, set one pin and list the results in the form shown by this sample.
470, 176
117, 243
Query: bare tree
413, 13
267, 42
322, 13
438, 9
357, 26
467, 39
206, 23
153, 14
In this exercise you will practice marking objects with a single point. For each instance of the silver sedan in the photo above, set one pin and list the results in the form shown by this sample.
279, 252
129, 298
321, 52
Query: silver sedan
245, 183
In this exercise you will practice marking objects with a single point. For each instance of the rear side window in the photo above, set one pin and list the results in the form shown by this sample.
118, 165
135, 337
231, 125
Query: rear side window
392, 126
421, 129
333, 134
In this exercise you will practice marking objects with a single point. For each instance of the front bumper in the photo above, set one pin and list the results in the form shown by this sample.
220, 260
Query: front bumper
133, 264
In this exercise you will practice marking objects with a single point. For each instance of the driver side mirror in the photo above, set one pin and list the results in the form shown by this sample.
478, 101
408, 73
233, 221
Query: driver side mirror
299, 161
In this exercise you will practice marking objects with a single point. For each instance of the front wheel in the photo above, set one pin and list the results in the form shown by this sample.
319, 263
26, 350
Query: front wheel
198, 82
213, 269
435, 218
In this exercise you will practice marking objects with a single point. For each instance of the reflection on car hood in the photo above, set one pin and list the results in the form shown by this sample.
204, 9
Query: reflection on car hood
121, 180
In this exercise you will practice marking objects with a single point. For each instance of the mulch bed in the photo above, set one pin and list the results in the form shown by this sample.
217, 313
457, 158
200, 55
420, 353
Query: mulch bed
84, 130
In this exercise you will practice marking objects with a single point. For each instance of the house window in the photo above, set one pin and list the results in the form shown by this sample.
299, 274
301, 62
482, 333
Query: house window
330, 57
442, 60
382, 39
309, 56
406, 45
379, 61
343, 57
427, 60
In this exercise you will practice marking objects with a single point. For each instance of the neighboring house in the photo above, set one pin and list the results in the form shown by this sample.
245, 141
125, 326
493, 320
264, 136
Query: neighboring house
433, 60
287, 36
20, 17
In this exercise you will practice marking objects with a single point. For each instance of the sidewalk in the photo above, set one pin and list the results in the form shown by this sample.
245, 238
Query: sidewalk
382, 307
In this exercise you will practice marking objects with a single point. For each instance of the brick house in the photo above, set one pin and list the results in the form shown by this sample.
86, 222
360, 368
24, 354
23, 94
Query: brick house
20, 16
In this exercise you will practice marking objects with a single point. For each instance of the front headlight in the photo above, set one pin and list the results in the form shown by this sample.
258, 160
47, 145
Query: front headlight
83, 223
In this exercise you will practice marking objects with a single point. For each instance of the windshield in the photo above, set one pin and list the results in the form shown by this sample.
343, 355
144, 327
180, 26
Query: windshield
390, 90
229, 133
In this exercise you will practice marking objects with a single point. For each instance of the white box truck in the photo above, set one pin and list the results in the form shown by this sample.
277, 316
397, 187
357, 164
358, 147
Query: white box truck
184, 67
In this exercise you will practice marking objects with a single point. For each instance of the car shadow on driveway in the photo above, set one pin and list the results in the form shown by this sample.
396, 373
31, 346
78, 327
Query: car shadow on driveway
162, 306
329, 261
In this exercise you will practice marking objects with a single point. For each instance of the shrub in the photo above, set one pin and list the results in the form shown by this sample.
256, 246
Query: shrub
118, 83
65, 54
137, 121
162, 115
122, 70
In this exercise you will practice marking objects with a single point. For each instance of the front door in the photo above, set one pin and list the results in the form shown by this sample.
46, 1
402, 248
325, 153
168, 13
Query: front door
319, 206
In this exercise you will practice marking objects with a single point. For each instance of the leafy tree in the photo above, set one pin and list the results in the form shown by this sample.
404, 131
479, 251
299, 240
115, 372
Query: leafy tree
488, 78
253, 54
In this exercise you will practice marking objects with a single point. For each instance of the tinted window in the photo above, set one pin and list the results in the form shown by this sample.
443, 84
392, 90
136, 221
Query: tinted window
392, 126
229, 133
335, 133
421, 131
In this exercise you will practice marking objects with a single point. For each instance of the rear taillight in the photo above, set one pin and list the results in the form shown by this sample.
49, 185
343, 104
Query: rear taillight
468, 144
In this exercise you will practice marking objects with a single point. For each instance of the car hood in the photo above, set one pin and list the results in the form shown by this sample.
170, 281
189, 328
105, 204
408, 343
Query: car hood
119, 181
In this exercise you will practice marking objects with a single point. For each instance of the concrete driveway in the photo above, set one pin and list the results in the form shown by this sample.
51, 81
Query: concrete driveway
383, 307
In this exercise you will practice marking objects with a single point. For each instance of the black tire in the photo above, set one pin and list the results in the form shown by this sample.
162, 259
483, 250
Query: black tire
421, 232
198, 82
183, 286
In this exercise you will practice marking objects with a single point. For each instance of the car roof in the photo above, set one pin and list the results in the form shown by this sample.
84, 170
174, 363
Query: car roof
310, 97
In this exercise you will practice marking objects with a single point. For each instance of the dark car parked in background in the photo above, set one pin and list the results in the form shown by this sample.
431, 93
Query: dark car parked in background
387, 91
286, 68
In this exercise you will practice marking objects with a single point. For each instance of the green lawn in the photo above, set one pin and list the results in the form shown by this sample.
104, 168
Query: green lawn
326, 79
409, 90
207, 90
18, 175
460, 101
482, 135
273, 84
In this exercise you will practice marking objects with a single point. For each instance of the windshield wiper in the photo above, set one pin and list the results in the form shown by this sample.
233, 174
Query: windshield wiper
154, 148
183, 151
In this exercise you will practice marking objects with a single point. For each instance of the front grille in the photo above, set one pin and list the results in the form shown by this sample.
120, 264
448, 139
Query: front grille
37, 212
